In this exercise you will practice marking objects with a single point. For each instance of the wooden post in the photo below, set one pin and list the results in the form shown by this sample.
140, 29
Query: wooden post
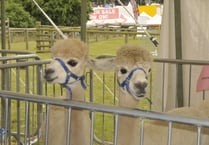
83, 20
8, 34
126, 38
3, 74
38, 37
26, 38
3, 27
178, 42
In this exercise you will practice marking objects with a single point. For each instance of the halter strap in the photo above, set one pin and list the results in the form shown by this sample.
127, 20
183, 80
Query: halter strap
70, 75
125, 84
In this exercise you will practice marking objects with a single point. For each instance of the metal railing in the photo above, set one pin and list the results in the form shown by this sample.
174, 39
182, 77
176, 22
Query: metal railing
24, 75
191, 72
94, 108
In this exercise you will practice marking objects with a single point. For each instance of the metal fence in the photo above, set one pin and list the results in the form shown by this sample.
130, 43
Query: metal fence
22, 107
191, 71
27, 99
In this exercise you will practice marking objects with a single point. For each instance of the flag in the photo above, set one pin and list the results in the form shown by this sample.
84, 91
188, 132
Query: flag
203, 80
135, 9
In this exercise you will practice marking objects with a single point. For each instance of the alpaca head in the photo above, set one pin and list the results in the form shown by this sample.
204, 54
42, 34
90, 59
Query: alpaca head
133, 65
70, 58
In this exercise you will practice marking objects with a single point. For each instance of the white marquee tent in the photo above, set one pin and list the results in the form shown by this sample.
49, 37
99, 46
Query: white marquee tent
120, 15
195, 46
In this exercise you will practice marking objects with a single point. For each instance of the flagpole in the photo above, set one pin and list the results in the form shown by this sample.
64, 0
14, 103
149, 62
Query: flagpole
153, 39
50, 20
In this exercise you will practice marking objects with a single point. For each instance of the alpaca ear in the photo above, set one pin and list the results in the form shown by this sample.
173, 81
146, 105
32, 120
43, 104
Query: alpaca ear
102, 63
147, 67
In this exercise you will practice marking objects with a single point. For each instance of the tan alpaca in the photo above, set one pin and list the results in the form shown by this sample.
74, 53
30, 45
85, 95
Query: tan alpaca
156, 132
74, 54
70, 55
127, 59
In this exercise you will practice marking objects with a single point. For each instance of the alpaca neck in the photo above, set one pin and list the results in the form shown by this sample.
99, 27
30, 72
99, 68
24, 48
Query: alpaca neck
128, 127
79, 123
127, 100
78, 92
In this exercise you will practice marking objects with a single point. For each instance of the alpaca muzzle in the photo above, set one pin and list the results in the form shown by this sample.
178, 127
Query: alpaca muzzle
48, 76
69, 76
139, 89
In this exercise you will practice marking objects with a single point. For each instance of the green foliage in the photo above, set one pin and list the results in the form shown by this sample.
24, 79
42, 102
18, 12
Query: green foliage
62, 12
125, 2
24, 13
18, 17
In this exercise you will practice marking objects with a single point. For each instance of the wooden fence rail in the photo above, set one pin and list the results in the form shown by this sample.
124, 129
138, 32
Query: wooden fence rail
45, 35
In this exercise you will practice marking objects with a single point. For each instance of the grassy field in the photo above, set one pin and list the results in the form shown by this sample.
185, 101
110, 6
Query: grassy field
103, 87
104, 46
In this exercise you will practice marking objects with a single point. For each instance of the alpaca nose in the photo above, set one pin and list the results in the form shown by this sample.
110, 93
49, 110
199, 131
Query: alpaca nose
48, 73
141, 85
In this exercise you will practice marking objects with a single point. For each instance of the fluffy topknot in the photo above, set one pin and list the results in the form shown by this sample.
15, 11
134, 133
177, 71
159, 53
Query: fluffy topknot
70, 48
131, 54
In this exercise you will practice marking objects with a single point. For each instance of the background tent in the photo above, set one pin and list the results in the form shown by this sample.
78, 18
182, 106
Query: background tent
195, 46
118, 16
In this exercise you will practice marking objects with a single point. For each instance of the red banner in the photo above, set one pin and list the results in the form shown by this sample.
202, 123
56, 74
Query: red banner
104, 14
203, 80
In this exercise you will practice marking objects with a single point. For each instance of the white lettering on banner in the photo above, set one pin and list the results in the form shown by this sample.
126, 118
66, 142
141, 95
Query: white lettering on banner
103, 14
102, 17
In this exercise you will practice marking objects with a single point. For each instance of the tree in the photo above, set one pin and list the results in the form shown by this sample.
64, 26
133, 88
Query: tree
62, 12
125, 2
18, 17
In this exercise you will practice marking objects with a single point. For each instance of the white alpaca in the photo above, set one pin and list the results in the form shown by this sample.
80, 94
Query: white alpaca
68, 68
132, 65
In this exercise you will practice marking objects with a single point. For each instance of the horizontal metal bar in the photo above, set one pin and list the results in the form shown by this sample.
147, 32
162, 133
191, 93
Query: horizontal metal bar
21, 64
105, 108
25, 56
181, 61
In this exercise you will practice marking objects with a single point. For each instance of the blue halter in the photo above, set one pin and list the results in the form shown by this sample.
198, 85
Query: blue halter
125, 84
70, 75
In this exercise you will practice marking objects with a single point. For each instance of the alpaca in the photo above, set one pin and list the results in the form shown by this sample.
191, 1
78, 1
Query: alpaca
68, 68
155, 132
133, 64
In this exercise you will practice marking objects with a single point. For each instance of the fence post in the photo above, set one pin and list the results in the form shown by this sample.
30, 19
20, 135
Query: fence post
83, 20
178, 42
126, 38
38, 44
3, 47
26, 38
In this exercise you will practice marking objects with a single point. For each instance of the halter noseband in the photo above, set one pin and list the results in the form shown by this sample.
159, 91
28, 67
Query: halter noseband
125, 84
70, 75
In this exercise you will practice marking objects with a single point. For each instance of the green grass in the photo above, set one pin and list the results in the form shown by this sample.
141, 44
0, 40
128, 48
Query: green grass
104, 123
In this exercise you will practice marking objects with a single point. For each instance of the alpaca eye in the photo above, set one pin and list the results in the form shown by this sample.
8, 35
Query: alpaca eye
149, 70
146, 77
72, 63
123, 70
